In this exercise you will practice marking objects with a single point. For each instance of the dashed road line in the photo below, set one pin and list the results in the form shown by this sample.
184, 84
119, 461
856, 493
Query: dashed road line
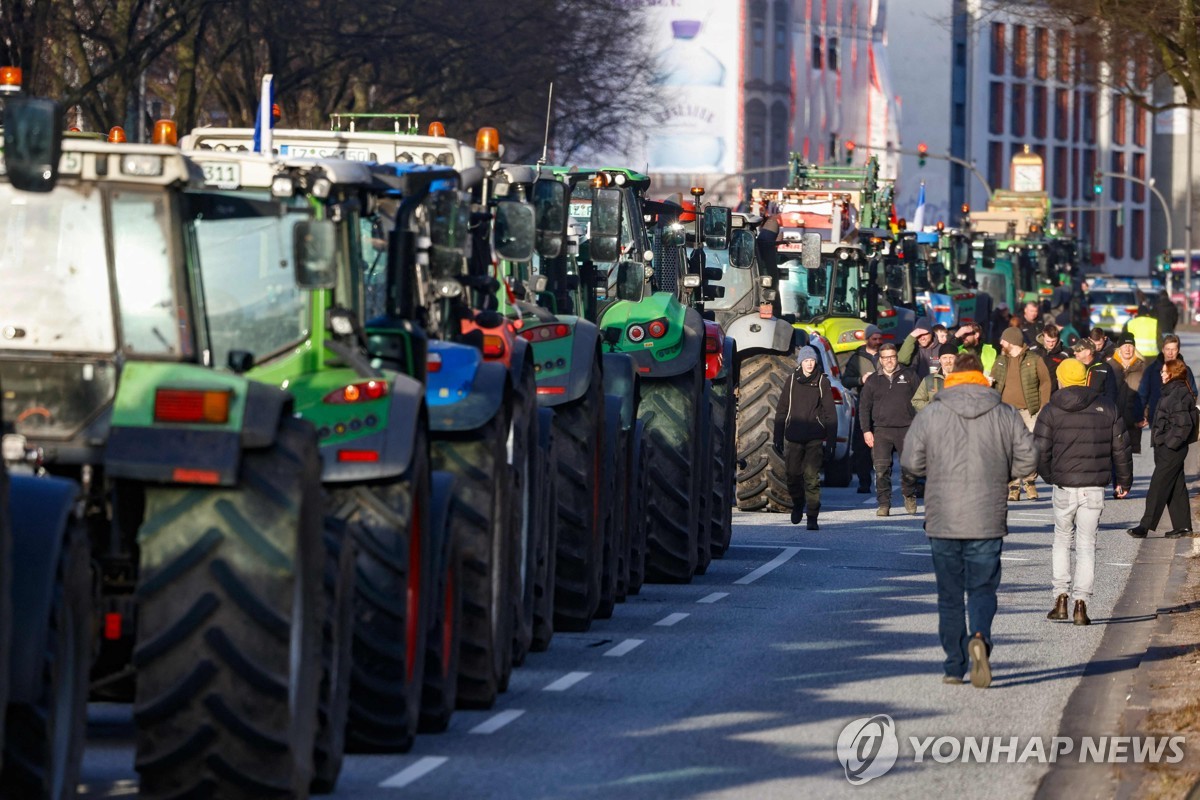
777, 561
413, 772
671, 619
714, 597
624, 647
823, 549
497, 721
566, 682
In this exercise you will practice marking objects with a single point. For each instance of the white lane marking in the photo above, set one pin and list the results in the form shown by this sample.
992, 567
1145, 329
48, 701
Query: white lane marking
1013, 558
714, 597
930, 554
759, 546
414, 772
624, 647
869, 502
671, 619
812, 548
777, 561
498, 721
1117, 564
566, 682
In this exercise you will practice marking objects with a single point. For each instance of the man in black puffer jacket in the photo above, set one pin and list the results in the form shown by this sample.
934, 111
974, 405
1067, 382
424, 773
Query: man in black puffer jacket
805, 427
885, 412
1081, 439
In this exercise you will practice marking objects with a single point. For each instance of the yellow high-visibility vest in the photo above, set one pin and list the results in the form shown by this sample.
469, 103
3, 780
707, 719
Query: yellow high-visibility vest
1145, 335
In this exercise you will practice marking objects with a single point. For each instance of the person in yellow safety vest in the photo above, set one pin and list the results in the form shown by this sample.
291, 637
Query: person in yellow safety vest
1144, 330
970, 340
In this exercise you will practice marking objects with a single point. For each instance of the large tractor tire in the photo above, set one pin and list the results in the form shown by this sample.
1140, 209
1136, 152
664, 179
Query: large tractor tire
762, 475
673, 412
484, 527
579, 439
613, 508
723, 470
704, 488
638, 508
231, 610
527, 458
337, 659
388, 521
44, 741
444, 640
543, 582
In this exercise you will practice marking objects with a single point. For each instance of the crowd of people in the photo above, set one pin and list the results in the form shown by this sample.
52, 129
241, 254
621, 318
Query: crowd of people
972, 419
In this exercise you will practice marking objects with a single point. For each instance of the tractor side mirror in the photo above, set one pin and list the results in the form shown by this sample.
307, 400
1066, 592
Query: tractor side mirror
713, 274
717, 222
673, 235
741, 248
908, 246
550, 217
605, 236
631, 278
810, 250
32, 143
314, 248
513, 231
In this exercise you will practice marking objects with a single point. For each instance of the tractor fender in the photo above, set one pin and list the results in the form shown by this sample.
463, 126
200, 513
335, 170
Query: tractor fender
521, 352
441, 495
566, 388
620, 381
730, 366
394, 445
755, 334
485, 397
170, 454
691, 351
41, 513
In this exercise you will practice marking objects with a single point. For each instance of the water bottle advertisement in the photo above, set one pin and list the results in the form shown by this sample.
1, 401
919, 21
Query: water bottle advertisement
699, 70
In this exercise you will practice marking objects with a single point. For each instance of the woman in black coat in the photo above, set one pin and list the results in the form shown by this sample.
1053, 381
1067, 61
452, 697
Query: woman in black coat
1171, 432
805, 424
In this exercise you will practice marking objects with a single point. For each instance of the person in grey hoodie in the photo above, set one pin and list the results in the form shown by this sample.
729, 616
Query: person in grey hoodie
968, 444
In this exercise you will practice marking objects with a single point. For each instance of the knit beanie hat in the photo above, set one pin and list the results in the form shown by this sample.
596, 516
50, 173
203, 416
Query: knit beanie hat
806, 352
948, 349
1013, 336
871, 330
1071, 372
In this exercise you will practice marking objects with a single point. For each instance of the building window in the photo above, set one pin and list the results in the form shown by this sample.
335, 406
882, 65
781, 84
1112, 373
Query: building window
996, 164
997, 108
756, 130
1089, 117
1062, 113
1060, 172
1116, 234
1137, 234
1062, 56
782, 62
960, 53
832, 53
1086, 174
1018, 110
1139, 171
1075, 193
758, 50
1041, 54
997, 48
779, 140
1139, 126
1039, 112
1118, 118
1118, 184
1019, 52
818, 52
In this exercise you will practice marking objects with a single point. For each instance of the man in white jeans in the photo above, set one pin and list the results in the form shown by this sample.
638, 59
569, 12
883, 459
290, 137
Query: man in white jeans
1081, 439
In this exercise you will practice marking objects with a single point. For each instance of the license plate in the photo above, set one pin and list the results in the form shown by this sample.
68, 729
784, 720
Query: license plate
581, 210
789, 247
224, 175
306, 151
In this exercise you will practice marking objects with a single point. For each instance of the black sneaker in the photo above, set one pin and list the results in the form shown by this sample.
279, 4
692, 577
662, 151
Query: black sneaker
797, 515
864, 488
1137, 532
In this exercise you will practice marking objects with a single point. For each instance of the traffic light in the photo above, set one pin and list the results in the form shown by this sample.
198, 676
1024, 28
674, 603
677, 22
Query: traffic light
1097, 183
849, 152
922, 152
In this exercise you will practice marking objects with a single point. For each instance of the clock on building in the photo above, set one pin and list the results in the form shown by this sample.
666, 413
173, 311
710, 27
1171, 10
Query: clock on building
1028, 172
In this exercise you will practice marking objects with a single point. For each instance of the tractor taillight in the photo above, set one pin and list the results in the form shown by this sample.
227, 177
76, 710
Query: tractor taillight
192, 405
493, 345
657, 329
711, 345
357, 456
433, 363
363, 392
544, 333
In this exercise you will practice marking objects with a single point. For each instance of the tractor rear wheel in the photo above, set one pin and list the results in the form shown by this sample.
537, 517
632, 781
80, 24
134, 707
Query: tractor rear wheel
337, 659
762, 475
543, 582
637, 511
672, 413
723, 473
484, 526
444, 643
230, 615
527, 460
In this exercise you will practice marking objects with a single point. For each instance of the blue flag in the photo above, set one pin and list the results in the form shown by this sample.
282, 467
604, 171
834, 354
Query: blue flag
918, 220
264, 120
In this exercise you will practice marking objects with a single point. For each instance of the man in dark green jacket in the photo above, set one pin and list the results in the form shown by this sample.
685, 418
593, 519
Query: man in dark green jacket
1023, 382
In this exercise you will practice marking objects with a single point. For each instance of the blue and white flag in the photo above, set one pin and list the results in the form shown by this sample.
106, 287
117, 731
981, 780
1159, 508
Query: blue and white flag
264, 120
918, 220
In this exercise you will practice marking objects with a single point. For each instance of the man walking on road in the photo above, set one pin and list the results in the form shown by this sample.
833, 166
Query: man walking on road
1080, 439
932, 384
885, 414
1031, 324
1132, 366
1052, 351
805, 428
1099, 377
1023, 382
861, 366
968, 444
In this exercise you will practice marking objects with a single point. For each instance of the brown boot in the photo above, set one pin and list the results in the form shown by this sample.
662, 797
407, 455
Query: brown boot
1031, 491
1014, 493
1081, 617
1060, 608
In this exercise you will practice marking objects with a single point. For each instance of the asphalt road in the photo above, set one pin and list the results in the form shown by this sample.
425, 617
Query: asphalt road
739, 684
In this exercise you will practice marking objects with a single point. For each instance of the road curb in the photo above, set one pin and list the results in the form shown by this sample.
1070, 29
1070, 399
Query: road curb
1102, 702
